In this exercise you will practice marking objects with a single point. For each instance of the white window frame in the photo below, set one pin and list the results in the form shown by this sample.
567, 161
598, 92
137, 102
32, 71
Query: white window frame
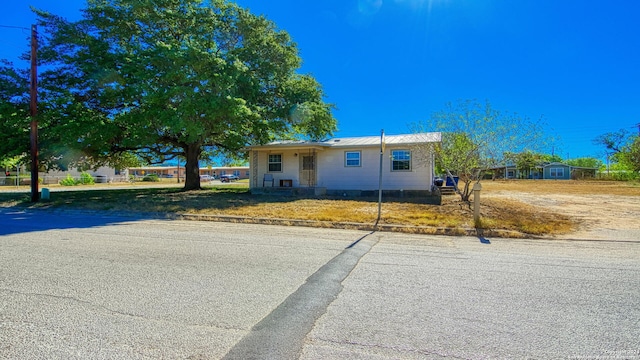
556, 173
269, 163
394, 160
346, 158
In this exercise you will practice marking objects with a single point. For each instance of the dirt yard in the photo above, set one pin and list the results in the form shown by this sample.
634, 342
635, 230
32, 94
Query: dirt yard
604, 210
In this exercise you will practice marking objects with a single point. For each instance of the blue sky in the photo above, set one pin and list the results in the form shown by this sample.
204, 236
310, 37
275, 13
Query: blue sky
389, 63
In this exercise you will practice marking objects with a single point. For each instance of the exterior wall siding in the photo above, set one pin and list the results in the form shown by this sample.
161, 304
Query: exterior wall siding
566, 172
331, 172
290, 168
334, 175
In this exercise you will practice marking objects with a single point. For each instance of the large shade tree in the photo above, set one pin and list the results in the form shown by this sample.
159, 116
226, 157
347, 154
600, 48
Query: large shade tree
168, 78
14, 112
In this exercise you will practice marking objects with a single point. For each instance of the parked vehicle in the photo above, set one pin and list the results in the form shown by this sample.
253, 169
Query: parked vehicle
228, 178
206, 178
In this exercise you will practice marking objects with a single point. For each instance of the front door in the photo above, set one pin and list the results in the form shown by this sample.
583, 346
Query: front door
308, 169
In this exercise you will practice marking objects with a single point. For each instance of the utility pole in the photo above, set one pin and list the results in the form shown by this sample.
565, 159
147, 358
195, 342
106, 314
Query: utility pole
35, 195
33, 110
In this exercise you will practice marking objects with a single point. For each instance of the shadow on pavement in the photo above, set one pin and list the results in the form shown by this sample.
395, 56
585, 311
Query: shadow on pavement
15, 221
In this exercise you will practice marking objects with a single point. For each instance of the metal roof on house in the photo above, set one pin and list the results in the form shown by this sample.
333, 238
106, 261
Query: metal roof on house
404, 139
363, 141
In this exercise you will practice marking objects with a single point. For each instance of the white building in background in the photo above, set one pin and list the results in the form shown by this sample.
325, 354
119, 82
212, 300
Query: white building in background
101, 175
242, 172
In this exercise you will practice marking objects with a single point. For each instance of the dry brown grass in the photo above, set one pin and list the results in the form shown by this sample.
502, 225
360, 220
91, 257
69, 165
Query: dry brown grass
514, 215
567, 187
499, 212
358, 211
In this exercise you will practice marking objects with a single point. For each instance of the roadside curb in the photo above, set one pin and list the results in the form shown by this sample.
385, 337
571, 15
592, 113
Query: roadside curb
423, 230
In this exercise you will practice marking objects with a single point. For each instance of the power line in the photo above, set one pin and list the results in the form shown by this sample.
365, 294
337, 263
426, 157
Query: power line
14, 27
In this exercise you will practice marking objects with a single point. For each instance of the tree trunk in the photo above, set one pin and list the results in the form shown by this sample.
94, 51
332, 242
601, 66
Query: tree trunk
192, 169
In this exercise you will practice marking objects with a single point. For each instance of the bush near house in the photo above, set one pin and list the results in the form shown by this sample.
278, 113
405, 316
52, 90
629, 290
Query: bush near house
619, 175
85, 179
151, 178
68, 181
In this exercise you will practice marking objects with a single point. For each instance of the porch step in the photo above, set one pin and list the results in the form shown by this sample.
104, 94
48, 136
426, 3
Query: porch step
290, 191
447, 190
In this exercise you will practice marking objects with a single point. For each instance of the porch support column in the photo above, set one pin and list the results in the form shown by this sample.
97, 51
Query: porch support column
254, 169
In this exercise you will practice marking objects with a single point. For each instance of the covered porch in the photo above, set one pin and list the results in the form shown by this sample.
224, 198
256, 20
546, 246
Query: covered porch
288, 168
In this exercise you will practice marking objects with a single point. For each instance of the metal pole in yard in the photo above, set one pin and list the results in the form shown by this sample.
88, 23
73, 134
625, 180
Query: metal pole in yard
382, 145
476, 204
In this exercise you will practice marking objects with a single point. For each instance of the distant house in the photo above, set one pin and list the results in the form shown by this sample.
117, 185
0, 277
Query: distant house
346, 165
161, 171
242, 172
560, 171
548, 171
510, 171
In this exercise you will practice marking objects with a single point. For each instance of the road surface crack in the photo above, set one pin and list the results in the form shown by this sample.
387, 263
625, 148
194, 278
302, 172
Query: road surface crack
281, 334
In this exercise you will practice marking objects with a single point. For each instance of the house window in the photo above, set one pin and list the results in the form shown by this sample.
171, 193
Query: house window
352, 158
236, 173
275, 162
556, 173
400, 160
247, 173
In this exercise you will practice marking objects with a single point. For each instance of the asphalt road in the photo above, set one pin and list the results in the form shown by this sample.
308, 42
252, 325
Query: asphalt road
81, 286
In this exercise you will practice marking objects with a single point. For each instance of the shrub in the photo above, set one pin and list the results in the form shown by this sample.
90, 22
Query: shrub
68, 181
619, 175
86, 179
151, 177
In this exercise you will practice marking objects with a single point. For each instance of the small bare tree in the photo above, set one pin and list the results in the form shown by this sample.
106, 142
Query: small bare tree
475, 138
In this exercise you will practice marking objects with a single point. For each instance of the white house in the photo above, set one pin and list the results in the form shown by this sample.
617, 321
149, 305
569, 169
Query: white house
346, 164
101, 174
